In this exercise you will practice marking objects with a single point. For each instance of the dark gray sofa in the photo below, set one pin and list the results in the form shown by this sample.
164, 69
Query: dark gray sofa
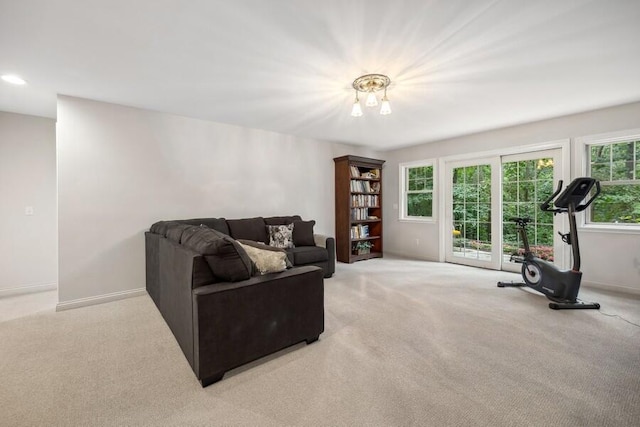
220, 314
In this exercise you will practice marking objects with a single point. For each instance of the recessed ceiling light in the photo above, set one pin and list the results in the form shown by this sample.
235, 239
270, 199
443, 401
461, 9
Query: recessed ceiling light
15, 80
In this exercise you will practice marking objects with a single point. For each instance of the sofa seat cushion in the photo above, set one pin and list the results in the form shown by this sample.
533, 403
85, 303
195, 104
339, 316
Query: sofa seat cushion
248, 229
308, 254
226, 257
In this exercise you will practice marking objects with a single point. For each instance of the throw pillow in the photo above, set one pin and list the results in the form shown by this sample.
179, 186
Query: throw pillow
266, 261
226, 258
280, 236
303, 233
265, 247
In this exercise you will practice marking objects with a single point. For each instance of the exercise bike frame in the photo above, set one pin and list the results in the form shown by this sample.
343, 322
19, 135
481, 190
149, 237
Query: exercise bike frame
559, 286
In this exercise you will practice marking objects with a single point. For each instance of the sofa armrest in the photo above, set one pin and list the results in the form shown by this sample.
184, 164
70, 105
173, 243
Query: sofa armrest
236, 323
175, 276
321, 240
329, 243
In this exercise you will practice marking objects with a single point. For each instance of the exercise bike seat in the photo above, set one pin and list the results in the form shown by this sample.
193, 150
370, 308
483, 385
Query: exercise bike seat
520, 221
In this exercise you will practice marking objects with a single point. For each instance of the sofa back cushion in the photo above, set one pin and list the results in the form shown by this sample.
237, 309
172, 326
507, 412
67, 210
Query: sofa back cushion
161, 227
175, 231
188, 232
282, 220
228, 261
218, 224
249, 229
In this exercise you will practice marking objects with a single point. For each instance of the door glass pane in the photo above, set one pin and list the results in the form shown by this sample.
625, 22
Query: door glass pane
525, 185
472, 212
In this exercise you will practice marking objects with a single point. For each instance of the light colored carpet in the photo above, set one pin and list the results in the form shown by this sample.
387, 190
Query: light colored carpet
15, 306
405, 343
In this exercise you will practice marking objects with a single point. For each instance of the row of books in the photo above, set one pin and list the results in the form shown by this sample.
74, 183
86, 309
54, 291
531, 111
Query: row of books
359, 231
364, 186
364, 200
371, 174
359, 214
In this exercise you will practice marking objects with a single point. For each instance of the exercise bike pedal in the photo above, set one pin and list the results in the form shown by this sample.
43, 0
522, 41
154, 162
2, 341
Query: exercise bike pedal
566, 237
576, 305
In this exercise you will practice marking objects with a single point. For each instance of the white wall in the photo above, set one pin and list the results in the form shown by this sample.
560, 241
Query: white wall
120, 169
28, 243
608, 259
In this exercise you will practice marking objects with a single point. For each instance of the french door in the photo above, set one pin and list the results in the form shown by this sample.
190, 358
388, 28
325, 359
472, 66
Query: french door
527, 181
473, 213
483, 195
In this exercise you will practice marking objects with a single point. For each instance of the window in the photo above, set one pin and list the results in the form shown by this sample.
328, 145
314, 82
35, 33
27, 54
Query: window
617, 166
417, 191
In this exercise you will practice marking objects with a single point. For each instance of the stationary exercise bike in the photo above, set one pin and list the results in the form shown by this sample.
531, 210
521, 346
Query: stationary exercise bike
561, 287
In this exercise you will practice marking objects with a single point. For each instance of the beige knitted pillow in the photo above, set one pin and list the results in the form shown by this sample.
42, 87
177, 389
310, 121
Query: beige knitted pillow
266, 261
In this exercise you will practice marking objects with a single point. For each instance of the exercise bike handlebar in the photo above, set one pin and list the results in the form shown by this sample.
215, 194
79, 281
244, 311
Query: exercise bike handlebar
584, 206
545, 206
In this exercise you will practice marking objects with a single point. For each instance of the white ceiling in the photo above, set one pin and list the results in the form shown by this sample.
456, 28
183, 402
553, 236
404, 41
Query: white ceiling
457, 66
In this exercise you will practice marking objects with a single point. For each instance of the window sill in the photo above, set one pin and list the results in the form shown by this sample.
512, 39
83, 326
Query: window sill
606, 228
428, 220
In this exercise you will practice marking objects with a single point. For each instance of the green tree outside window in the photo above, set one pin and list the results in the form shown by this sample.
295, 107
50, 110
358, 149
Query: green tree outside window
419, 191
617, 167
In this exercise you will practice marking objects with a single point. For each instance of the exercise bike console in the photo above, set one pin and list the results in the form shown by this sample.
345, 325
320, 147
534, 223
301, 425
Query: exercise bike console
560, 286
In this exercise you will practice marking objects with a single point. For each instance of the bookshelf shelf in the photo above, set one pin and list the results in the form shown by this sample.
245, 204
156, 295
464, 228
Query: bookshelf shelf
365, 238
358, 192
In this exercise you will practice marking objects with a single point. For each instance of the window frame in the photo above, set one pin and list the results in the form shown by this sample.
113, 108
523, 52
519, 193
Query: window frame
403, 180
583, 156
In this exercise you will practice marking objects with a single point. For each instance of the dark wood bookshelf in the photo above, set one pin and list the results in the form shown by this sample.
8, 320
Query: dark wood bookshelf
368, 176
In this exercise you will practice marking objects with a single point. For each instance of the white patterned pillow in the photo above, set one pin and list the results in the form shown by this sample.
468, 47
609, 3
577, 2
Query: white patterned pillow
266, 261
280, 236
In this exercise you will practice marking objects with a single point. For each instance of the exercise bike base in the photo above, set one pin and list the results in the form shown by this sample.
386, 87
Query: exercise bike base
510, 284
576, 305
557, 305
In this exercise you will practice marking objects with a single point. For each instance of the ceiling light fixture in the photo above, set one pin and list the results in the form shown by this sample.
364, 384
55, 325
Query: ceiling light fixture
371, 83
14, 80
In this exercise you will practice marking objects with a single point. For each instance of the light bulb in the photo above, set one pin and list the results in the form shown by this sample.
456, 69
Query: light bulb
356, 111
371, 100
386, 107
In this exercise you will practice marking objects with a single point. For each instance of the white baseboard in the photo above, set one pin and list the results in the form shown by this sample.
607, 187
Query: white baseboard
612, 288
20, 290
100, 299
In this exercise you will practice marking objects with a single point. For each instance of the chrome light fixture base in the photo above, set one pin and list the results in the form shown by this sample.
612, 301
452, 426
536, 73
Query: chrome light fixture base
371, 83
